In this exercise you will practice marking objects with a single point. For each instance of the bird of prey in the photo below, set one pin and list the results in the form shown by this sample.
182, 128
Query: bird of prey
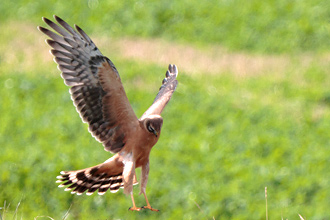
100, 99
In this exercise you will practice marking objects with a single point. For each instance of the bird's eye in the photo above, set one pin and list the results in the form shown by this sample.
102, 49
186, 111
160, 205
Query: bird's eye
150, 129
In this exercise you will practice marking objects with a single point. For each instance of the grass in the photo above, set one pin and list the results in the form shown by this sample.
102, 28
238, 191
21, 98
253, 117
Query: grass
272, 26
225, 137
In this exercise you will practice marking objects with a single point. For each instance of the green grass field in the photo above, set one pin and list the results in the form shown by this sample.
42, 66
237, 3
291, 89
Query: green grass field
225, 137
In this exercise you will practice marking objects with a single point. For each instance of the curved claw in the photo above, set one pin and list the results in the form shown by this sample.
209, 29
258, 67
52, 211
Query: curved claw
134, 208
149, 207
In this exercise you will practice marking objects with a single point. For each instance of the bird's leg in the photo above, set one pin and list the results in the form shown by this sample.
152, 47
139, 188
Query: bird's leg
134, 208
128, 177
148, 206
144, 180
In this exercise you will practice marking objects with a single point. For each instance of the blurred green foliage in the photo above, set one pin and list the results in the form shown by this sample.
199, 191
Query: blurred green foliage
224, 137
272, 26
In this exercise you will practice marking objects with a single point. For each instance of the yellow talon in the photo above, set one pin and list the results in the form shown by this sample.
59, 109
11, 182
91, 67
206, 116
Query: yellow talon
152, 209
134, 208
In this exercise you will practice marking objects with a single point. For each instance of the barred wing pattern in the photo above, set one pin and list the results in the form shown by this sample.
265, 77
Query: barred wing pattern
81, 64
165, 92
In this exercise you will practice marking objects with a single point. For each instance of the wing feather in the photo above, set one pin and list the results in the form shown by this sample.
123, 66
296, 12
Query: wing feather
165, 92
96, 89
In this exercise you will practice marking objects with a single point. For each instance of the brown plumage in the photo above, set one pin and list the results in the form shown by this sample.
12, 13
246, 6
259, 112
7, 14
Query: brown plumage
101, 101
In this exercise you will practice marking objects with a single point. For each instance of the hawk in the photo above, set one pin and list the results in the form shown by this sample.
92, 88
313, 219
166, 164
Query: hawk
100, 99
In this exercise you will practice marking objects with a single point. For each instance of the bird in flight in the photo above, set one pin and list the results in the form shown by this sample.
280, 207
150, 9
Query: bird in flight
100, 99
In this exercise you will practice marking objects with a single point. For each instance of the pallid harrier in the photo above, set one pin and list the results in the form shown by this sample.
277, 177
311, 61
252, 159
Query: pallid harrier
100, 99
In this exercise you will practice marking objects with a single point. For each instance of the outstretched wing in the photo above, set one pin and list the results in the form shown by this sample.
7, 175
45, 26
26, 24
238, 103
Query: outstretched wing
96, 88
165, 92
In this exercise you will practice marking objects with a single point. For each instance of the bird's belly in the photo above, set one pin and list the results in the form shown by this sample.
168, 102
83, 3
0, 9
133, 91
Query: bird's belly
142, 157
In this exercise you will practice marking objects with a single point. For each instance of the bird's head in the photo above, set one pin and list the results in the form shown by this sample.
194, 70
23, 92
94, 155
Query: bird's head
153, 124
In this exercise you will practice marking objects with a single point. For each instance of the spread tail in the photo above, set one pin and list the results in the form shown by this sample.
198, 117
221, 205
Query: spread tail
102, 177
90, 180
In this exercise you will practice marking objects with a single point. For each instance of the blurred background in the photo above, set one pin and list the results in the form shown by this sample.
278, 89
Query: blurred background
252, 108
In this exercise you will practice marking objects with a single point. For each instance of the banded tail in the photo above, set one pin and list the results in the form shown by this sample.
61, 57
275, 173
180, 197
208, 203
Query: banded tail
90, 180
102, 177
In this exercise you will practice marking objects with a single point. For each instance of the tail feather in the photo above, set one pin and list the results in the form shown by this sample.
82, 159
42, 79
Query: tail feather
90, 180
